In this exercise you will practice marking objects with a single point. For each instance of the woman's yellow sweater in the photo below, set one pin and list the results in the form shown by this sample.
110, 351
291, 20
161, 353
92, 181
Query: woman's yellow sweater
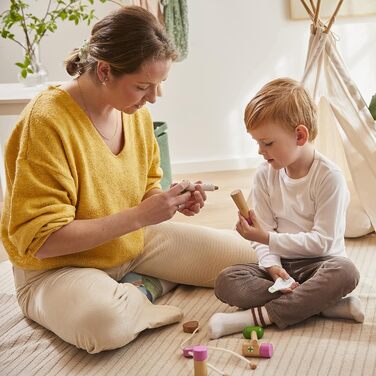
59, 169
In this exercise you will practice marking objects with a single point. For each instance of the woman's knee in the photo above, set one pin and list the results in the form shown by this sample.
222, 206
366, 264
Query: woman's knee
110, 322
101, 327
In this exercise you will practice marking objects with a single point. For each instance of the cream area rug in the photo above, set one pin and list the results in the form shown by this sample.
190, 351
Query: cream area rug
316, 347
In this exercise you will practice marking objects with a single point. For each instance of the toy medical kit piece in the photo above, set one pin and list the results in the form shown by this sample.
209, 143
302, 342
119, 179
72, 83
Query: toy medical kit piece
247, 331
241, 203
281, 284
205, 187
188, 352
200, 354
255, 349
190, 326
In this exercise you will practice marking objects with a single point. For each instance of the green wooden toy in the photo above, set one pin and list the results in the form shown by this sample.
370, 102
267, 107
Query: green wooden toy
249, 329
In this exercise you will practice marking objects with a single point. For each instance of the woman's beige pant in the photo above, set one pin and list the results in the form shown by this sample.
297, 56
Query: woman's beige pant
88, 308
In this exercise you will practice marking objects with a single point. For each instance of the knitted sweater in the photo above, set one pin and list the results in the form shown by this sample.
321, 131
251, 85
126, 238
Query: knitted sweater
59, 169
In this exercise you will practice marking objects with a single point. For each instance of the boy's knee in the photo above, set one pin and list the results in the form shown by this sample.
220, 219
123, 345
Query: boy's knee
347, 271
224, 284
350, 273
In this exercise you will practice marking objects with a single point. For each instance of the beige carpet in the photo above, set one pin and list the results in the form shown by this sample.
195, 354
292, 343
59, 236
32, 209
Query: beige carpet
317, 347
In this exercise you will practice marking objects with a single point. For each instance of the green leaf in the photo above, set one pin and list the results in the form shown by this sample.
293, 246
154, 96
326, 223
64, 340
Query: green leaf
33, 28
41, 28
372, 107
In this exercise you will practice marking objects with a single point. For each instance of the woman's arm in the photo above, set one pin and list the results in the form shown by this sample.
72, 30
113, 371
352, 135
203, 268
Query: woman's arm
84, 234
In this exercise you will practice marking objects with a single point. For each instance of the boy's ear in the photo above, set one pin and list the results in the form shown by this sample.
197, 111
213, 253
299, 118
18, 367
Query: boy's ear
302, 134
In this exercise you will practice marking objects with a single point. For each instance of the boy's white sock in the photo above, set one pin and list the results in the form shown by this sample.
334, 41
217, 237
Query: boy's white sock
221, 324
349, 307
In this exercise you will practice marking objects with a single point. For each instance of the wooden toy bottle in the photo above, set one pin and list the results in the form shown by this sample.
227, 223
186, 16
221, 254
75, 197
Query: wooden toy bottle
200, 354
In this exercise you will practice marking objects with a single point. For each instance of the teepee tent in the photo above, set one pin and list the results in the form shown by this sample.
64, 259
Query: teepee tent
346, 129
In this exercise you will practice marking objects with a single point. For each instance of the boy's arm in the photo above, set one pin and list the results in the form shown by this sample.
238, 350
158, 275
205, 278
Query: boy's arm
260, 201
329, 222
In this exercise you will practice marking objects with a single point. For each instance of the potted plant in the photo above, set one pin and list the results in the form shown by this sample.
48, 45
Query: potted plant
372, 106
34, 28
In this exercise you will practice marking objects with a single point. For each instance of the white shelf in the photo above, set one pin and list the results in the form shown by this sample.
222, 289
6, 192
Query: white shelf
14, 97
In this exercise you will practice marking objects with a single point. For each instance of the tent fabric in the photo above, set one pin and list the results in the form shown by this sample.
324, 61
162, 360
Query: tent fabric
346, 128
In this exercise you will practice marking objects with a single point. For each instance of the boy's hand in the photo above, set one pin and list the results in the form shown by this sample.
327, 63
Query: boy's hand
255, 232
277, 271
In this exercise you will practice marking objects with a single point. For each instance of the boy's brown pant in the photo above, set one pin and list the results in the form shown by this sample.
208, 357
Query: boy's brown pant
323, 282
88, 308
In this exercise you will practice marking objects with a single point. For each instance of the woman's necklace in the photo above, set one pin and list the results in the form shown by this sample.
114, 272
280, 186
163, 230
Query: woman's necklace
90, 117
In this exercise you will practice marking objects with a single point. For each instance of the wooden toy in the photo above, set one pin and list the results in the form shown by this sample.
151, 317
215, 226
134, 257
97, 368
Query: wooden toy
255, 349
241, 203
200, 354
190, 326
247, 331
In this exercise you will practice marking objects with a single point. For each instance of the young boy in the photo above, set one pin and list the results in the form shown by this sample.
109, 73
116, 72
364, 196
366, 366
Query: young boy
299, 199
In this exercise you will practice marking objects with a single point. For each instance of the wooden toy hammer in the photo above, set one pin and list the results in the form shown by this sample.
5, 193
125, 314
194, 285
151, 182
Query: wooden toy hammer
255, 349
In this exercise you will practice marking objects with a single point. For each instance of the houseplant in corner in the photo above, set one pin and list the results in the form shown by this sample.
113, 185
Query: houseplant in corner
33, 28
372, 107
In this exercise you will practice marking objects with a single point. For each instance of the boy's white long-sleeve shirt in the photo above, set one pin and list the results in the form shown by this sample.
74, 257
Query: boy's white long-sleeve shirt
305, 217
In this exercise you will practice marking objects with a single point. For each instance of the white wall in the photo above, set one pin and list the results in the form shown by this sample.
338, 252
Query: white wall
235, 47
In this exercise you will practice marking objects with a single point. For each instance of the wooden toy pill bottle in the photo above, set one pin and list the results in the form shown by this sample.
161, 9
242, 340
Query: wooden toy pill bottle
200, 354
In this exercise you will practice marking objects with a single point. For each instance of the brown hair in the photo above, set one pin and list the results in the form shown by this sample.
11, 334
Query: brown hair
125, 39
283, 100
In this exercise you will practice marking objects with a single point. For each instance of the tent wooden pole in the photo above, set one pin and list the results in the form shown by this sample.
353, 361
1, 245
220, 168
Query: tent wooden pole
307, 9
313, 6
327, 29
317, 11
311, 15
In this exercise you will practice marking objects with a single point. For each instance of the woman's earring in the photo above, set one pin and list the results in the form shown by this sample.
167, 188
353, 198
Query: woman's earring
104, 82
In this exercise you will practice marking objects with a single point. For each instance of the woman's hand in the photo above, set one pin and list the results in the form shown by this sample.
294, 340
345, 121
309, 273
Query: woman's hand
277, 271
195, 202
254, 232
162, 206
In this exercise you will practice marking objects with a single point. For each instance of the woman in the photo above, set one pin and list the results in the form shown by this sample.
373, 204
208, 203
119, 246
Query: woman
84, 206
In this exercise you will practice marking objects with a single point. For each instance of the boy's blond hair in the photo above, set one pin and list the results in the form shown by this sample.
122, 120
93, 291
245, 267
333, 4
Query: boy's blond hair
283, 100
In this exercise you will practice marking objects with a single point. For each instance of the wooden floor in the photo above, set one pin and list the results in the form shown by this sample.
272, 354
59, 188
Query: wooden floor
219, 210
315, 347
